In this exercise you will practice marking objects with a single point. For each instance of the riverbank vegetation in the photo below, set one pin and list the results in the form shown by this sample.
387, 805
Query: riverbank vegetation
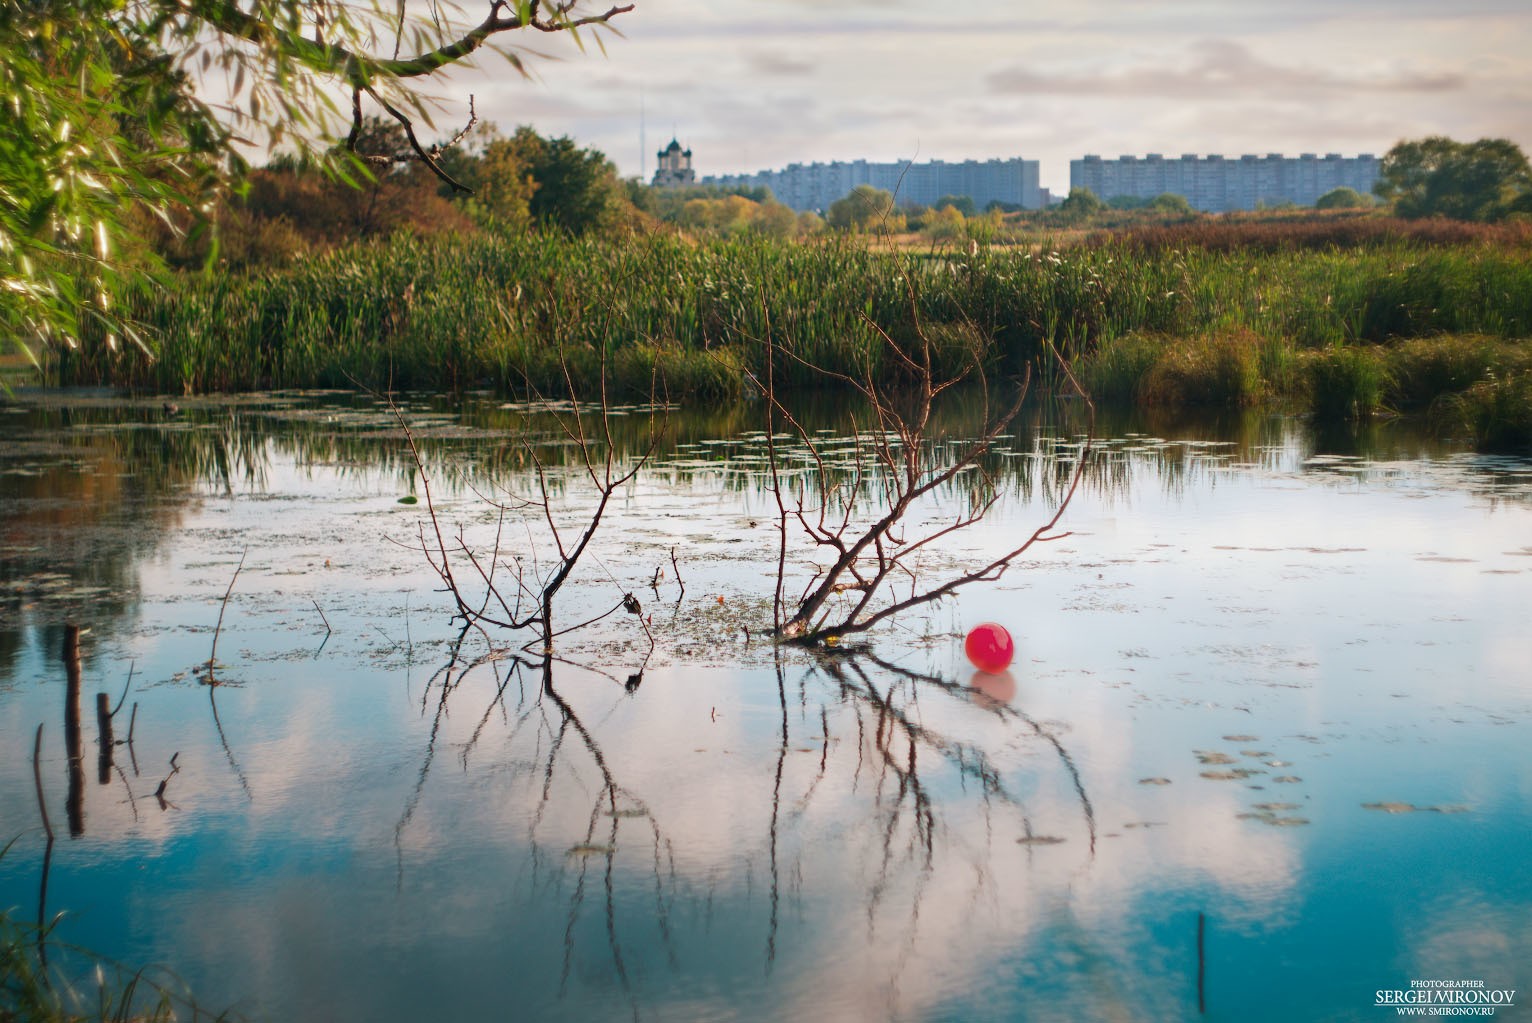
1331, 318
551, 266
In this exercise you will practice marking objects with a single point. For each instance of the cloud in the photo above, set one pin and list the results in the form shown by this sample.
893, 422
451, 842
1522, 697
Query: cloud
1219, 69
779, 64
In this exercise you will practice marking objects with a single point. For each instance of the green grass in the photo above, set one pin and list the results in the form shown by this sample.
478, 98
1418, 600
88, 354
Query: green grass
1496, 412
1347, 382
1173, 322
45, 981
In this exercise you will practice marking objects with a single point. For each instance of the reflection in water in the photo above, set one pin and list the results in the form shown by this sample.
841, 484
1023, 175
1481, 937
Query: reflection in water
739, 831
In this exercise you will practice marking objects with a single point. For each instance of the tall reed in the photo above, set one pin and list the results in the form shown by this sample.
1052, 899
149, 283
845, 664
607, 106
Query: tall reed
496, 311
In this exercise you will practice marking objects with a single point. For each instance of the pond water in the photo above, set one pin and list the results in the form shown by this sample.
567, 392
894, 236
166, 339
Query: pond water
1264, 745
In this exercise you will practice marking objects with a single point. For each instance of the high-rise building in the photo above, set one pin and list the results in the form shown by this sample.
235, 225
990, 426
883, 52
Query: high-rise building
1217, 184
815, 186
674, 167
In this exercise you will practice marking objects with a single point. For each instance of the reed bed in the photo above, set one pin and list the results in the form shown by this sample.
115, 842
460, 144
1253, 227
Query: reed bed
692, 317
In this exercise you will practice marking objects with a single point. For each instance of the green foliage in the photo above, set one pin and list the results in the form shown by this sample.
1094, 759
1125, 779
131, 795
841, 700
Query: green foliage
1485, 181
97, 122
1496, 412
1206, 370
962, 203
865, 208
495, 308
104, 130
45, 981
1169, 202
1347, 382
1342, 198
576, 189
1081, 204
945, 225
1116, 370
737, 214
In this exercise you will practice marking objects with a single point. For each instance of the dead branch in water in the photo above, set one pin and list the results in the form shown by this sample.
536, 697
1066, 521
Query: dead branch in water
490, 592
861, 515
212, 657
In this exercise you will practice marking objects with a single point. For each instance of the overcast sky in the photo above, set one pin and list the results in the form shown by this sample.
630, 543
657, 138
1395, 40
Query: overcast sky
756, 84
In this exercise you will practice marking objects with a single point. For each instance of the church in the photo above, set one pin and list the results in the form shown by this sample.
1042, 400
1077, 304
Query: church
675, 167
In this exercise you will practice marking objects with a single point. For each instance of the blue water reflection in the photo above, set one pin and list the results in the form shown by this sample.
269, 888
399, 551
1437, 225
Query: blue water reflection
1278, 687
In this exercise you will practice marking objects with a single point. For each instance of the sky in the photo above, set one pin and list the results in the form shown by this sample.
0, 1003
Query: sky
751, 85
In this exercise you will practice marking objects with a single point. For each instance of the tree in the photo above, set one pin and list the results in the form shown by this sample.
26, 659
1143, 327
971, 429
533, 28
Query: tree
1171, 203
1485, 180
577, 189
1082, 204
1342, 198
947, 224
865, 208
103, 121
962, 203
774, 220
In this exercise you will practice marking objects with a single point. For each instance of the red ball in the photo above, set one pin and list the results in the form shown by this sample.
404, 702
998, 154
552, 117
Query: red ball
989, 647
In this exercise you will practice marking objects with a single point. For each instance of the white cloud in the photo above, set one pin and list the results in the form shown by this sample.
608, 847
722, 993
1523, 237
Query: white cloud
758, 85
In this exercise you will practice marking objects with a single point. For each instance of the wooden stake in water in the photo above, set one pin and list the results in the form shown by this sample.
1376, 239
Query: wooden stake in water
75, 805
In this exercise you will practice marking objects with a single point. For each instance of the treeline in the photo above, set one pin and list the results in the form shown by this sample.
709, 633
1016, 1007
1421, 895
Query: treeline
524, 181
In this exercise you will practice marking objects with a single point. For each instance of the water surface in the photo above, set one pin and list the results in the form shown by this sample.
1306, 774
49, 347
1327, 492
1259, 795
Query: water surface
1276, 681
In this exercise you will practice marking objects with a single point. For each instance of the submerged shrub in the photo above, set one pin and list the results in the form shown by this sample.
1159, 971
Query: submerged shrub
1496, 412
1208, 370
1424, 369
1115, 371
1346, 382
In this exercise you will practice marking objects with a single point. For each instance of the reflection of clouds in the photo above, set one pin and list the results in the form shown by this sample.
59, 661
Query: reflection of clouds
300, 891
1470, 935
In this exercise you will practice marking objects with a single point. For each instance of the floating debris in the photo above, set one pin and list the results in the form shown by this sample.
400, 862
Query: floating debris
592, 850
1273, 820
1276, 807
1154, 781
1039, 840
1412, 808
1287, 779
1207, 757
1145, 824
1242, 738
627, 813
1254, 753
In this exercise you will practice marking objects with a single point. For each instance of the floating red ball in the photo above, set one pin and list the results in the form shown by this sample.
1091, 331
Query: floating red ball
989, 647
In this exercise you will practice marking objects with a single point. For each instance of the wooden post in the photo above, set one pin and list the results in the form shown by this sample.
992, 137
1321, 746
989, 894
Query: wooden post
75, 804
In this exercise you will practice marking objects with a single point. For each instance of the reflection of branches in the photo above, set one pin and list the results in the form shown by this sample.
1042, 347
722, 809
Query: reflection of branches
572, 749
42, 808
223, 740
897, 747
1003, 710
609, 792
